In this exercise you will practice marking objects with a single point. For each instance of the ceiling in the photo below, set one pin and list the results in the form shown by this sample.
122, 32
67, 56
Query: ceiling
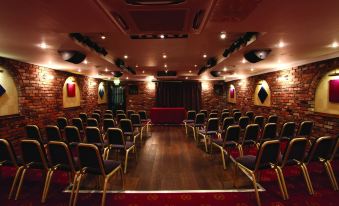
306, 28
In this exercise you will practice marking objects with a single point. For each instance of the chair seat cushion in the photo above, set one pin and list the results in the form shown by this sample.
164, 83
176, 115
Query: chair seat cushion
247, 161
110, 165
188, 121
217, 141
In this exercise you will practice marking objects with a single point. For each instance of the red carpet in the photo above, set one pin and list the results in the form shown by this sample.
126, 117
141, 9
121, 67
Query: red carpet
324, 195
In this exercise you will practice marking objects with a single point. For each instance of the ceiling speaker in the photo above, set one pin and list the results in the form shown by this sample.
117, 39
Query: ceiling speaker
215, 73
119, 62
73, 56
211, 62
117, 74
257, 55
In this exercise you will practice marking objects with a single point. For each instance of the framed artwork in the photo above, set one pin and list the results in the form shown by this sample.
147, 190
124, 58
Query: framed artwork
2, 90
232, 91
262, 94
70, 89
334, 90
101, 92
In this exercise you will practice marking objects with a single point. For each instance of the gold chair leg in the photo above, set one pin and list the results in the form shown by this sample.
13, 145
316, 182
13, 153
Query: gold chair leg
255, 189
205, 141
48, 182
77, 190
241, 152
281, 183
333, 176
194, 134
103, 200
223, 158
235, 174
17, 174
307, 179
126, 161
329, 171
20, 183
141, 134
185, 128
75, 180
122, 177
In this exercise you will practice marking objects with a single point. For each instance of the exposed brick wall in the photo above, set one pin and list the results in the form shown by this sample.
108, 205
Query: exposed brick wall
40, 98
292, 100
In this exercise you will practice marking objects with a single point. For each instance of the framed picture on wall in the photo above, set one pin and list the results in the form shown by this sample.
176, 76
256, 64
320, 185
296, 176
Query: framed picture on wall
133, 89
70, 89
334, 91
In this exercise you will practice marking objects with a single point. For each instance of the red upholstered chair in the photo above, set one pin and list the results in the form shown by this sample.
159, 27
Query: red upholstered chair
272, 119
145, 119
250, 115
83, 117
128, 130
236, 116
243, 122
33, 132
53, 133
259, 120
190, 117
136, 123
61, 123
198, 123
209, 131
287, 131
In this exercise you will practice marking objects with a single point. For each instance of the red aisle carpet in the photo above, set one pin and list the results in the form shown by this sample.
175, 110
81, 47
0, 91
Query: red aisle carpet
31, 192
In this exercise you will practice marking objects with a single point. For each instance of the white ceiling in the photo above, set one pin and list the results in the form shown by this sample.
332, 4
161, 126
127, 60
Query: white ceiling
307, 27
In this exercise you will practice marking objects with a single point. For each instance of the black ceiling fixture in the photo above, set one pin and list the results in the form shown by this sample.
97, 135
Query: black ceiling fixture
117, 74
215, 73
166, 73
73, 56
121, 64
86, 41
211, 62
242, 41
257, 55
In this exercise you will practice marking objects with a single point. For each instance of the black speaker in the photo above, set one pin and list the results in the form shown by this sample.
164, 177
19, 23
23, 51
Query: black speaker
73, 56
215, 73
257, 55
117, 74
119, 62
211, 62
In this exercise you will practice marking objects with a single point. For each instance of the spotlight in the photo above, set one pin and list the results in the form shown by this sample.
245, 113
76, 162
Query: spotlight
223, 35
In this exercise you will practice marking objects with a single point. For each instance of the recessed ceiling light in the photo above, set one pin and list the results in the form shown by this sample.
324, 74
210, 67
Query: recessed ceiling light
165, 65
243, 61
103, 37
136, 66
195, 65
281, 44
166, 71
43, 45
186, 77
125, 56
225, 69
126, 77
224, 77
204, 55
79, 70
106, 70
334, 44
164, 56
223, 35
162, 36
85, 61
190, 71
252, 69
143, 71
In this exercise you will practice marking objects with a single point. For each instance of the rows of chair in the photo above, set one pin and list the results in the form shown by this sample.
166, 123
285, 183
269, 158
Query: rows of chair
237, 131
79, 148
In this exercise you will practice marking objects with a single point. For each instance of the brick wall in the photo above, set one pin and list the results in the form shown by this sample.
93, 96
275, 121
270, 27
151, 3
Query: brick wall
292, 95
40, 98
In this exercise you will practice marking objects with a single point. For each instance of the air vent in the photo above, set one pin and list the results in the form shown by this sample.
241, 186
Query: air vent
154, 2
166, 73
199, 16
122, 23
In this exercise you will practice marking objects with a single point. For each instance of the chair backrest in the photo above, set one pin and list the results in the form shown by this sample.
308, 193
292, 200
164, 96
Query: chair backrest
232, 133
272, 119
108, 116
143, 115
95, 116
92, 122
212, 125
243, 122
191, 115
288, 130
199, 119
83, 117
108, 123
295, 150
98, 111
115, 136
259, 120
62, 122
53, 133
236, 116
120, 117
268, 153
77, 122
119, 112
93, 135
108, 111
235, 110
305, 129
33, 152
7, 154
228, 121
213, 115
225, 110
129, 113
252, 132
215, 111
60, 155
223, 116
33, 132
72, 134
250, 115
204, 112
90, 159
126, 125
135, 119
270, 131
322, 148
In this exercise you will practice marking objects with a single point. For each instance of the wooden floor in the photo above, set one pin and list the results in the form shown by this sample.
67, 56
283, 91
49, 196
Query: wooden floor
168, 159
